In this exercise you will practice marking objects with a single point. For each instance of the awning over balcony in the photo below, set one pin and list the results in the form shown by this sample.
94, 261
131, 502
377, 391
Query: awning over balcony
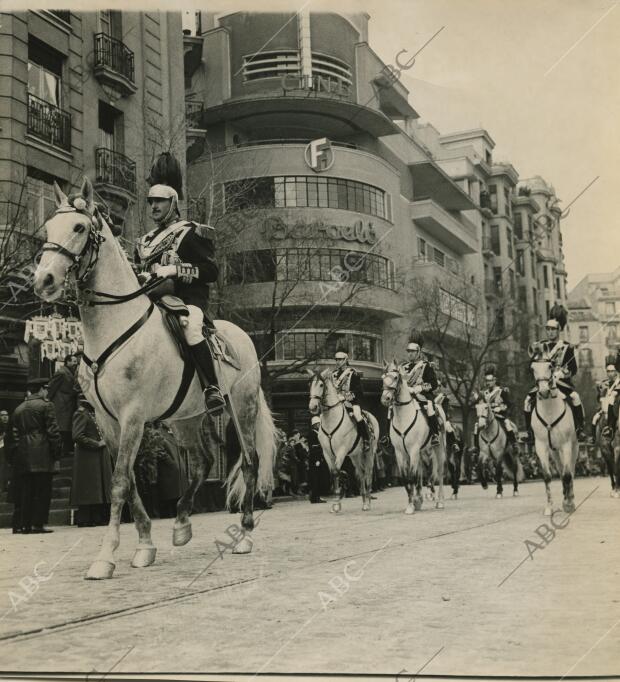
457, 235
335, 117
429, 181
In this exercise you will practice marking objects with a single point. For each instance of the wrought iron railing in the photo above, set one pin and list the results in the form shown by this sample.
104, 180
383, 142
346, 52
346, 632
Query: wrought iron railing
115, 169
115, 55
49, 123
193, 113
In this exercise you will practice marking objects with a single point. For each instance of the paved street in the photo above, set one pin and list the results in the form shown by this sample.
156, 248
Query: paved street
375, 592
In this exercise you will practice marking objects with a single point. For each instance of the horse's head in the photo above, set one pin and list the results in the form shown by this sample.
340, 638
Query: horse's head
73, 234
543, 376
483, 412
392, 377
317, 390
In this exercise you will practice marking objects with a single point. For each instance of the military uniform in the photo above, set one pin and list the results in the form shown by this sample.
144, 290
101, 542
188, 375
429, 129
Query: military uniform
443, 403
423, 383
609, 389
348, 383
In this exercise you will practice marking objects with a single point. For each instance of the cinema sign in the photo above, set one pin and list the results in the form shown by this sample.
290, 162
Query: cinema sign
316, 85
276, 228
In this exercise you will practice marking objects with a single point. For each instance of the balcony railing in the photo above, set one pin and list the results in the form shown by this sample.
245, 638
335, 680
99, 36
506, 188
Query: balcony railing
115, 169
115, 55
49, 123
193, 113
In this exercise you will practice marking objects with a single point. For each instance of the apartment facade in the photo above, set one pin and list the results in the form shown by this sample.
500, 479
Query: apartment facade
97, 94
593, 306
317, 145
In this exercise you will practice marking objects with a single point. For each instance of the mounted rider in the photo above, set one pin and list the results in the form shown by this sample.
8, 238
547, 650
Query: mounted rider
498, 397
561, 354
184, 253
348, 382
442, 400
608, 389
422, 382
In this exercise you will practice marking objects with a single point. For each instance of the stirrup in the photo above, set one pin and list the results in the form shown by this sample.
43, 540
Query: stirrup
214, 400
435, 439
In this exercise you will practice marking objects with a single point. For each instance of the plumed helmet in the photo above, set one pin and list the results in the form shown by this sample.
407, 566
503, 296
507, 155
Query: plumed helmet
342, 350
167, 171
415, 339
559, 314
490, 371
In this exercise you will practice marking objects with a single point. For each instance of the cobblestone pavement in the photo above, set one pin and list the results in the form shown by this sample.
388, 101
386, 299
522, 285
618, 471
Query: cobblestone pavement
374, 592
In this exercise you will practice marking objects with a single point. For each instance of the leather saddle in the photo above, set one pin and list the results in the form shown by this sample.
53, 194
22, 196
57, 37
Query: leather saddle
173, 310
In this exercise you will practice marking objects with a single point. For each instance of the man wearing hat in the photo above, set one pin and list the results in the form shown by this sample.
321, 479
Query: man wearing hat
422, 382
498, 398
315, 461
37, 446
561, 354
183, 252
609, 389
348, 382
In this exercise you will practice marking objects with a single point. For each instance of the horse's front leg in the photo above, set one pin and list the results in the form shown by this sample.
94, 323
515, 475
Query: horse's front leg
568, 470
145, 551
482, 468
457, 455
546, 474
499, 474
367, 460
439, 453
128, 443
182, 530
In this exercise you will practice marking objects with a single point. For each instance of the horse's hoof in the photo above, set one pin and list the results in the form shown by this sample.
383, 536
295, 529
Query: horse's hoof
410, 509
336, 507
615, 493
498, 496
417, 503
144, 556
181, 535
100, 570
515, 493
568, 507
244, 546
439, 504
366, 506
548, 511
454, 496
485, 487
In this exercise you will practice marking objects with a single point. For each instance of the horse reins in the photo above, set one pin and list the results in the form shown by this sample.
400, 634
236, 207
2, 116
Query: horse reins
403, 435
329, 435
555, 422
93, 242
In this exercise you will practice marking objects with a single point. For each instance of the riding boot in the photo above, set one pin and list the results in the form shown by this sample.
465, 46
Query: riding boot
528, 426
578, 418
511, 436
451, 441
433, 425
214, 400
362, 429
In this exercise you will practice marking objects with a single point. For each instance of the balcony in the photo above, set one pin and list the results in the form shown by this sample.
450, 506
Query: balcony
62, 15
115, 182
492, 288
457, 234
114, 64
487, 246
49, 123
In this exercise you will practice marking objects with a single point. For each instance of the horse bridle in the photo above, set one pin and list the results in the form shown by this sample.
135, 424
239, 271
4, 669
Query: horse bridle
394, 388
330, 434
496, 436
93, 243
400, 403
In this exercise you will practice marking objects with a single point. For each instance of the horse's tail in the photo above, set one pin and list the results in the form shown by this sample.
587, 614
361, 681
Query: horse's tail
509, 457
266, 442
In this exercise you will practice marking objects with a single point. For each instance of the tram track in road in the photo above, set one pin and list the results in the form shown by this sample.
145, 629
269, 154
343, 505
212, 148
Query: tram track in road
84, 621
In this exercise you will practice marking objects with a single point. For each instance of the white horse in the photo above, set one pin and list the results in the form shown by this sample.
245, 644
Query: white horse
554, 433
339, 437
133, 373
493, 443
410, 435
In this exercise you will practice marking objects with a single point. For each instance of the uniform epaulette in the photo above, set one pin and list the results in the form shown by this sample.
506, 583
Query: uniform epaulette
204, 231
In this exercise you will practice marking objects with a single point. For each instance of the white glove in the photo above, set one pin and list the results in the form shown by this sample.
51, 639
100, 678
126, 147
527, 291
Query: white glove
417, 389
166, 270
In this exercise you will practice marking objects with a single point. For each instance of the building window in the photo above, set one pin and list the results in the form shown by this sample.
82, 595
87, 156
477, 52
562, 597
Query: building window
493, 198
610, 308
511, 278
535, 298
545, 276
497, 279
518, 222
439, 257
558, 288
547, 307
509, 240
421, 249
533, 263
521, 263
40, 197
269, 265
507, 204
495, 241
584, 334
321, 344
305, 192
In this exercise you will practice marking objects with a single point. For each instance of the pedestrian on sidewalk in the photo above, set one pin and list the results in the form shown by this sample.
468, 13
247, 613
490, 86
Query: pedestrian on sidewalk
63, 392
172, 479
91, 486
35, 454
315, 461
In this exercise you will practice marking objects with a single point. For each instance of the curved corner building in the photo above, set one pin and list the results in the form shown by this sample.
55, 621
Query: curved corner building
304, 153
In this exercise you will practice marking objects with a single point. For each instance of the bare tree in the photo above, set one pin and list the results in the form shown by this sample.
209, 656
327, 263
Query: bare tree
448, 312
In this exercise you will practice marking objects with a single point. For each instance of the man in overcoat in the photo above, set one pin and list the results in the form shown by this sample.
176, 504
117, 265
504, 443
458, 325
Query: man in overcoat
36, 447
91, 487
63, 392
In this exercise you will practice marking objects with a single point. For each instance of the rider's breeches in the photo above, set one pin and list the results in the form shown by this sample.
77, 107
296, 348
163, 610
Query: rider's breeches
357, 412
193, 329
597, 415
448, 426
